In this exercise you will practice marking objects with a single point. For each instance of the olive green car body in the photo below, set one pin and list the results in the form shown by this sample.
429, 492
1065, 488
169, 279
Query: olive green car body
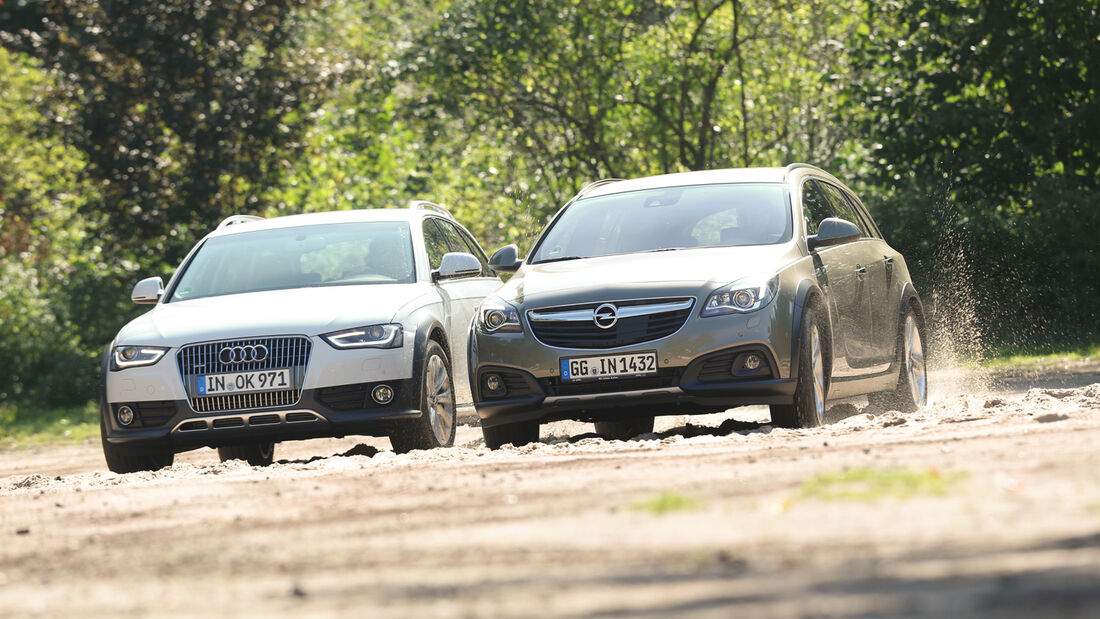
862, 289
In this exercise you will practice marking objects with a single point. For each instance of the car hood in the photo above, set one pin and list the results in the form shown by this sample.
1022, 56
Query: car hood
308, 311
680, 272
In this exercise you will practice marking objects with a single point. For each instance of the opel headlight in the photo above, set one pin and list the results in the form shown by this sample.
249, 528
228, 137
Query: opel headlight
497, 316
123, 357
741, 297
373, 336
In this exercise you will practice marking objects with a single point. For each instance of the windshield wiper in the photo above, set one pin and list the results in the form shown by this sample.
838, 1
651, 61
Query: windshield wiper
653, 251
560, 259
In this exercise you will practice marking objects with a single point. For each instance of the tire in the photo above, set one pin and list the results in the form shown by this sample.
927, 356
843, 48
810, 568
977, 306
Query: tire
256, 454
812, 389
911, 391
518, 434
436, 425
121, 459
624, 429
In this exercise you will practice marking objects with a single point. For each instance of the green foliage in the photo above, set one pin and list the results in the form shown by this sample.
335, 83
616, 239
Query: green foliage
181, 107
22, 426
629, 88
986, 125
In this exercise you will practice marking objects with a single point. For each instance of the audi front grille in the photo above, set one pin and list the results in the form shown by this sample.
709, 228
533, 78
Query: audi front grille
284, 352
638, 321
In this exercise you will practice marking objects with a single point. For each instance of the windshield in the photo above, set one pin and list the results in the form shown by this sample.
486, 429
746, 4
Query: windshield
320, 255
669, 218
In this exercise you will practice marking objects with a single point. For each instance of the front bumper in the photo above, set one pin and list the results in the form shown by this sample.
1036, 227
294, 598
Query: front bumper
694, 375
327, 412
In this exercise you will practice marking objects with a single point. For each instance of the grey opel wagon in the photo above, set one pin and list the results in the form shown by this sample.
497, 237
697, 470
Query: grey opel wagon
695, 293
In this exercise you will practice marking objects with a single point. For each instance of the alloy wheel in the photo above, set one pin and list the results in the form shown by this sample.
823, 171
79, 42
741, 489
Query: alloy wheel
817, 367
914, 362
441, 404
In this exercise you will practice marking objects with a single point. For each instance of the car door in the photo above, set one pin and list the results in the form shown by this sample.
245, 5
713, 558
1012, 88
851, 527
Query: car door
885, 287
845, 267
465, 294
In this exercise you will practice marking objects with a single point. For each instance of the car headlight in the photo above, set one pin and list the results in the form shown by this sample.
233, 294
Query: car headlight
123, 357
497, 316
741, 297
373, 336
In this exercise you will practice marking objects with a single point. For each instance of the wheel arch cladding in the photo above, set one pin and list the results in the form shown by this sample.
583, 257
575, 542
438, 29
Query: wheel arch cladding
810, 295
428, 329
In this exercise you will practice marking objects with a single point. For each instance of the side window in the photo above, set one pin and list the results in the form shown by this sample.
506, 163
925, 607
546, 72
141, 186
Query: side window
842, 208
459, 241
814, 208
861, 210
434, 243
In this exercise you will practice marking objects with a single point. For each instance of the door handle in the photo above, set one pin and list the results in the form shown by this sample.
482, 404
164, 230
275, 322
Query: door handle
861, 271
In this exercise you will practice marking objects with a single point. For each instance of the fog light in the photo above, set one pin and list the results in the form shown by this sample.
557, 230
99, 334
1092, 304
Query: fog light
752, 362
382, 394
494, 385
125, 415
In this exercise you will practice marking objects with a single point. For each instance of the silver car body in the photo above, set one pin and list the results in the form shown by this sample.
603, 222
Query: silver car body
171, 415
864, 283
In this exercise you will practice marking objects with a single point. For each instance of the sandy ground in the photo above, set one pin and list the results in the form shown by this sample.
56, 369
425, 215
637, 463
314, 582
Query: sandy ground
1009, 527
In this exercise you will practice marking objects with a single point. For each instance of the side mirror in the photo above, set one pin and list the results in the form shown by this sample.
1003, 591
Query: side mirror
148, 291
456, 264
505, 259
833, 231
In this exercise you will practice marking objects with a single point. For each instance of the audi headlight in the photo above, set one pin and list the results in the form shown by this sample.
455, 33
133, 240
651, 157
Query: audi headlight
123, 357
741, 297
374, 336
494, 315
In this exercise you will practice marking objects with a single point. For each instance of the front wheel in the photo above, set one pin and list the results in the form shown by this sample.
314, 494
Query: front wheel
436, 425
624, 429
808, 410
122, 459
911, 392
517, 434
256, 454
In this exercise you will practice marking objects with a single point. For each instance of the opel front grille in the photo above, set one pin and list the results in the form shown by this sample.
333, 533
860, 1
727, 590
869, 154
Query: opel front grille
637, 321
283, 352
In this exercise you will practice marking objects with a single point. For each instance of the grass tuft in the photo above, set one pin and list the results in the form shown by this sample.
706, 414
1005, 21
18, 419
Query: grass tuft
864, 484
25, 426
666, 502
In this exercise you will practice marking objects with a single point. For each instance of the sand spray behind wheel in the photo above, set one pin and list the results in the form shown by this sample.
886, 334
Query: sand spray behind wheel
954, 331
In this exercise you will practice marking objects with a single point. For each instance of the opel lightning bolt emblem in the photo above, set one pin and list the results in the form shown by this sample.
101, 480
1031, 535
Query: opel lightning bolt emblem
605, 316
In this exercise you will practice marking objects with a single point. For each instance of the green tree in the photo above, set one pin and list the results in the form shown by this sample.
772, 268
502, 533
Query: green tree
986, 122
182, 107
629, 88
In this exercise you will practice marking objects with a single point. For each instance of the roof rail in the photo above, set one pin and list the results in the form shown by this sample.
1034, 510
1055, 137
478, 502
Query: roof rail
233, 220
794, 166
424, 205
594, 184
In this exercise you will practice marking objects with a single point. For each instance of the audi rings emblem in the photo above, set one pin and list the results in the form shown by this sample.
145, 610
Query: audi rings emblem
605, 316
242, 354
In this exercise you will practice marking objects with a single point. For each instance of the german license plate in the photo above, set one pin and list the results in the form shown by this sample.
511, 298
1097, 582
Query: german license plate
609, 366
243, 382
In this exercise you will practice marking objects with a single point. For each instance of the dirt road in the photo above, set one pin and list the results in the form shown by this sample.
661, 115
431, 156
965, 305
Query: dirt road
985, 502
